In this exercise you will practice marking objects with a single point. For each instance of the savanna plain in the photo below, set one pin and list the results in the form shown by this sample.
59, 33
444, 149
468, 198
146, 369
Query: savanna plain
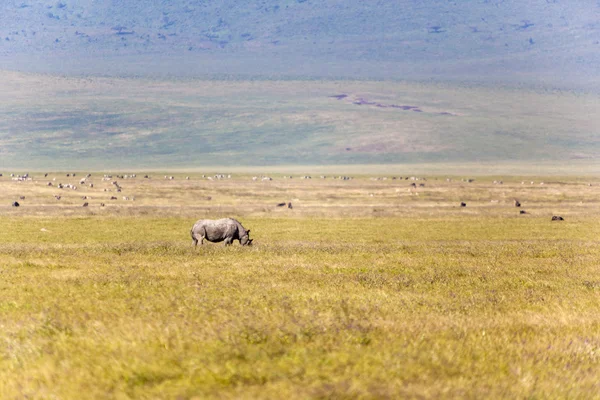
365, 288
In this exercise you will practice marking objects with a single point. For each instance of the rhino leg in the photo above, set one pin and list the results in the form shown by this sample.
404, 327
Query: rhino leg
202, 237
228, 241
194, 240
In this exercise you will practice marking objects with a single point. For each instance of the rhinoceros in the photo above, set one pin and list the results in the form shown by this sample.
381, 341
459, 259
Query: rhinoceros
226, 229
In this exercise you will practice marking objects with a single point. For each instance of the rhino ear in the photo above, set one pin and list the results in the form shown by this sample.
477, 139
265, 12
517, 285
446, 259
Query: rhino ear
248, 231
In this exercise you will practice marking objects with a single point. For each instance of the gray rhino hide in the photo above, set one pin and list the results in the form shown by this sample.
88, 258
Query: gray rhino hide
226, 229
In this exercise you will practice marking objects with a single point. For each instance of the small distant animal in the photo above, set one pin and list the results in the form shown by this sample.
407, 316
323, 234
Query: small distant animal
21, 197
221, 230
15, 204
517, 204
522, 212
57, 197
463, 204
290, 205
113, 198
557, 218
101, 204
85, 204
281, 205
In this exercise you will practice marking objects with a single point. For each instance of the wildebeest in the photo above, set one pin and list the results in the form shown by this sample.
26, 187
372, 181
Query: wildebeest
15, 204
280, 204
557, 218
290, 205
522, 212
226, 229
463, 204
85, 204
517, 204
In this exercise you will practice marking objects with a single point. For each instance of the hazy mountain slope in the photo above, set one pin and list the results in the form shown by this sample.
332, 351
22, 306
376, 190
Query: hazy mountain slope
105, 123
551, 42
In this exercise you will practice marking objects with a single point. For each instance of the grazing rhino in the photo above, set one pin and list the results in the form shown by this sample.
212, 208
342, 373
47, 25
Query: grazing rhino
226, 229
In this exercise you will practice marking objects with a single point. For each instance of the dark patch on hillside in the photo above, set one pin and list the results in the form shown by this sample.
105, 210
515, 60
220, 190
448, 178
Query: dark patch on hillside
361, 101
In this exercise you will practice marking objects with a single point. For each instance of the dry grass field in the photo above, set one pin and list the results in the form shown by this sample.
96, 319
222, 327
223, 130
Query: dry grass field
366, 288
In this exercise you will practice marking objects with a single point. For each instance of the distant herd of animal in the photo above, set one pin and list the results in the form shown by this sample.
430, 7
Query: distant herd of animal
228, 229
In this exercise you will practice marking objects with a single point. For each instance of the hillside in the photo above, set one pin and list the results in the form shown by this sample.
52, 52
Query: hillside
552, 42
106, 123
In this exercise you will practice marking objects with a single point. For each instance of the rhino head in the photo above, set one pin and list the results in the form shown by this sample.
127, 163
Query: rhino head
245, 240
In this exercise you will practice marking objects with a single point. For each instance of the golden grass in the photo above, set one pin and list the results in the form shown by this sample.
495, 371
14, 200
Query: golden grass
347, 295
